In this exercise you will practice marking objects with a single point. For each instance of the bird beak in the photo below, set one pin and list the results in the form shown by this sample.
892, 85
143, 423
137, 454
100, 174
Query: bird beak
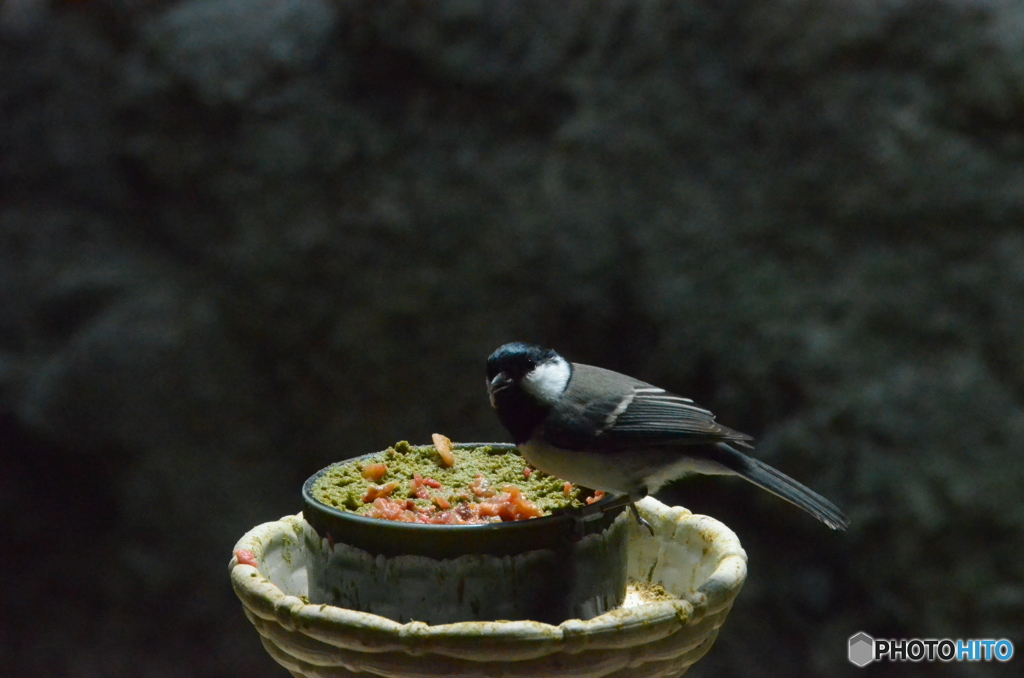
500, 381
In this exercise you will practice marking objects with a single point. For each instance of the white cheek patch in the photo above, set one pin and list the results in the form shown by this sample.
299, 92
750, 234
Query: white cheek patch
548, 380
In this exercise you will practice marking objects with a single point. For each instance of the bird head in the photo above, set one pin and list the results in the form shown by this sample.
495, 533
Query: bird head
519, 368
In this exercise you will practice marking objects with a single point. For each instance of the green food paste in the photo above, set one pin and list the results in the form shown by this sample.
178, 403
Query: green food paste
343, 485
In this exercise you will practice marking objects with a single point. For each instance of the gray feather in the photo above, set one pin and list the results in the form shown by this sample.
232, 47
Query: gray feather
781, 485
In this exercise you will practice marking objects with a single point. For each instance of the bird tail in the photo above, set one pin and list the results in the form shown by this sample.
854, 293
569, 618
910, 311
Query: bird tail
782, 486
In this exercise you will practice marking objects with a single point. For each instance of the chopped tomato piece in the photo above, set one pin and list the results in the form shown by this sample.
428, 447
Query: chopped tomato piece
523, 507
389, 509
374, 472
376, 491
246, 557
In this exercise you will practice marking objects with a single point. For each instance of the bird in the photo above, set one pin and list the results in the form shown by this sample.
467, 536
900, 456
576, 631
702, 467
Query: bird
608, 431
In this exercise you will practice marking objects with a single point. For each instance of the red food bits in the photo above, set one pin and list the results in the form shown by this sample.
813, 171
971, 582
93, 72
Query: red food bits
481, 487
245, 557
567, 489
523, 507
453, 518
374, 472
487, 509
389, 509
418, 486
479, 503
376, 491
597, 496
507, 506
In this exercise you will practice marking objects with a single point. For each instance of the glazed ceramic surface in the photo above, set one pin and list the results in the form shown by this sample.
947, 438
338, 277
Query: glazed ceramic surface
698, 560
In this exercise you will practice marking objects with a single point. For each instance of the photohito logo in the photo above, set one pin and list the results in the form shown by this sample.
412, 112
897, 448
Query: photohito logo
863, 649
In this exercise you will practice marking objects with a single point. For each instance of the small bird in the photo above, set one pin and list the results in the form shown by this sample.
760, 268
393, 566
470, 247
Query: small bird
607, 431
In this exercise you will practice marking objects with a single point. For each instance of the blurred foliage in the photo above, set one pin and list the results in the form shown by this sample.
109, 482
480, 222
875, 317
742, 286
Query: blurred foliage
241, 239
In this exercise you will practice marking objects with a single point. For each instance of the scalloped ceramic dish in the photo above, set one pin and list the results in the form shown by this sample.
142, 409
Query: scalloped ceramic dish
697, 560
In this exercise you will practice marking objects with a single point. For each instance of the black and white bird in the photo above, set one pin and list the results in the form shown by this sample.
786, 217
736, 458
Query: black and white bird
607, 431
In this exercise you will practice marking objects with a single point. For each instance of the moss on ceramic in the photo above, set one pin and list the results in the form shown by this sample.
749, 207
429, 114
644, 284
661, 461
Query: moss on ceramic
639, 592
344, 486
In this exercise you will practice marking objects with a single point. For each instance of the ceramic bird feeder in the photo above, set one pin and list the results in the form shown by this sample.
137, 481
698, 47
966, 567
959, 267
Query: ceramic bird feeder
681, 583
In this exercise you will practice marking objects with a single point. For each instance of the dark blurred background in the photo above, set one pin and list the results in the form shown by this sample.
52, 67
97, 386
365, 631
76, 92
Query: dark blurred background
242, 239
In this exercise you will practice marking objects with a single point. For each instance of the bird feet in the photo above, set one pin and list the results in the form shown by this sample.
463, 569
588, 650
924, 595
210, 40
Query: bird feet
594, 511
640, 519
634, 497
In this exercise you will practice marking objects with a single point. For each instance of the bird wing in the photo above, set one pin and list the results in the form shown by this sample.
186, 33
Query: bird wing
643, 416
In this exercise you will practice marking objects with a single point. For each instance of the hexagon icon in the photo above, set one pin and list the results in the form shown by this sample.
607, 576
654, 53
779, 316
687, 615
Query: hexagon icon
862, 649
